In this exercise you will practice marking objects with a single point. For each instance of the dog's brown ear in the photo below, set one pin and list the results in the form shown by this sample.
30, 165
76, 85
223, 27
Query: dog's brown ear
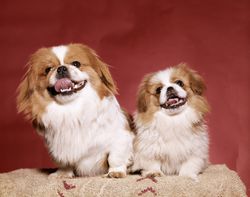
197, 83
104, 74
101, 68
25, 91
143, 97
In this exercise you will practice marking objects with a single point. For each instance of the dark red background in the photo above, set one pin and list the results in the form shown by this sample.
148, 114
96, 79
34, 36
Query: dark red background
135, 37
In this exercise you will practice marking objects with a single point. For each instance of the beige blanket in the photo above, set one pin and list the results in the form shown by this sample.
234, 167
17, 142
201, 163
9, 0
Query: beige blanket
217, 180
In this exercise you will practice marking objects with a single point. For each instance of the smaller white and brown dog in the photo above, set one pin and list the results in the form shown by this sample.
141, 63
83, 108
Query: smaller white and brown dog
171, 136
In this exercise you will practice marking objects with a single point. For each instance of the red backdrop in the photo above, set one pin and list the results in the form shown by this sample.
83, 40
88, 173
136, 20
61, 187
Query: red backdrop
135, 37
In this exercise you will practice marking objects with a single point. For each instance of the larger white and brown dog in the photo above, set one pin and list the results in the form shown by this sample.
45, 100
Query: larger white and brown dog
171, 132
68, 93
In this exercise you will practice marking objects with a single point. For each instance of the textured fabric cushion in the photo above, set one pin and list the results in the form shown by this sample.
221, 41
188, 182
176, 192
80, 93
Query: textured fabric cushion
217, 180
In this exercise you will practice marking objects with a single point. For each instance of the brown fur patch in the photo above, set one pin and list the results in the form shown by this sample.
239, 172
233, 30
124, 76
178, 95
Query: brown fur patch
88, 57
33, 96
116, 175
190, 77
104, 163
38, 126
200, 104
131, 125
147, 98
32, 92
198, 126
194, 85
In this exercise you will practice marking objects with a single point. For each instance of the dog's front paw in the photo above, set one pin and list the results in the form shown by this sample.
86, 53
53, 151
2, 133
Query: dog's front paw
146, 173
117, 172
191, 175
62, 173
116, 175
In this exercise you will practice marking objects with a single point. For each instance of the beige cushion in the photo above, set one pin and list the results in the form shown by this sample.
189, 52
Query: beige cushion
217, 180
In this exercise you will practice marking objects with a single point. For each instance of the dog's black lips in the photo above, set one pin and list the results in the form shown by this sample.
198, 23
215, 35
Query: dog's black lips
53, 92
174, 106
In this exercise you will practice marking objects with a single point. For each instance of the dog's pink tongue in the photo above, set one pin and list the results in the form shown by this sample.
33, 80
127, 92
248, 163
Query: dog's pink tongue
172, 101
63, 83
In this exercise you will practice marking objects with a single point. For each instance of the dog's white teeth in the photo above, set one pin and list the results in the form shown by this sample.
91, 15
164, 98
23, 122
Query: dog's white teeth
76, 86
66, 90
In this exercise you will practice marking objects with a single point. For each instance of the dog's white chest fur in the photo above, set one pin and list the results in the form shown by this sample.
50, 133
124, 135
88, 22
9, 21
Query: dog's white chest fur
82, 133
169, 142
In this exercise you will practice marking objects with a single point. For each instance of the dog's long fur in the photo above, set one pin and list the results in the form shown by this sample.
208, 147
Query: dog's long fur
171, 140
86, 131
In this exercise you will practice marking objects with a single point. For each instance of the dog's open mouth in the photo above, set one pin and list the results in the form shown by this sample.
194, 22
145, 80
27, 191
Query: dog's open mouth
173, 102
65, 86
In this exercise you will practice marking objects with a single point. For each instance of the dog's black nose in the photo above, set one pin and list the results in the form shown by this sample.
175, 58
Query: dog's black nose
62, 71
171, 92
170, 89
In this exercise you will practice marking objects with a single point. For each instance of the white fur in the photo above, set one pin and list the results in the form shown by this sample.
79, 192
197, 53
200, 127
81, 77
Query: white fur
81, 133
60, 52
81, 130
168, 143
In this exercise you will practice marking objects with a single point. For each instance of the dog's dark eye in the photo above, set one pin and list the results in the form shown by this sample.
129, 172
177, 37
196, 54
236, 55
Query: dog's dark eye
47, 70
158, 90
180, 83
76, 64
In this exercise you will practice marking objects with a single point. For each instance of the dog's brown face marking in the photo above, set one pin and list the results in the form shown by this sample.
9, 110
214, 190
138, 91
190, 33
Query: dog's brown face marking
33, 96
194, 85
148, 98
148, 101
